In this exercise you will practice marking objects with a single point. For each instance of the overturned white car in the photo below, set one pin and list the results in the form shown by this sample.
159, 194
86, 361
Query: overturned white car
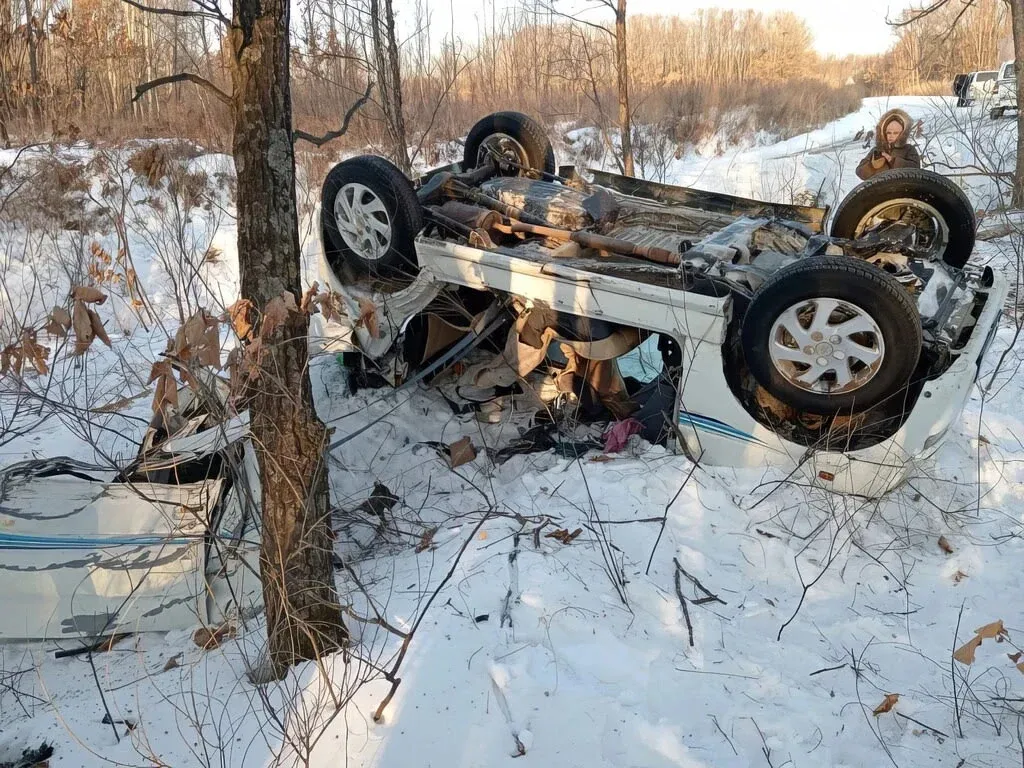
848, 353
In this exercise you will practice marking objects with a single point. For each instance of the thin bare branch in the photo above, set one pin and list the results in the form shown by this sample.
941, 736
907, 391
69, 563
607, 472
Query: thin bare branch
140, 90
331, 135
205, 14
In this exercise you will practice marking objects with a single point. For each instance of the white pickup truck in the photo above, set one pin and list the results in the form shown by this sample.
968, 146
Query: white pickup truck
1006, 91
843, 354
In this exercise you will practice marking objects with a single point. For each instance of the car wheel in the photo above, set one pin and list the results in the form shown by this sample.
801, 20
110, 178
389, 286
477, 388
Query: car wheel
370, 218
938, 208
832, 334
517, 138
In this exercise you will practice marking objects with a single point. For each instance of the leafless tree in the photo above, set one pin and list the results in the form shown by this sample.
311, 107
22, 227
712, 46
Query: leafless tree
959, 10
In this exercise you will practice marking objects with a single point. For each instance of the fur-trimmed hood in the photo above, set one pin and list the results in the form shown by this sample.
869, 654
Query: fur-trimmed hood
897, 114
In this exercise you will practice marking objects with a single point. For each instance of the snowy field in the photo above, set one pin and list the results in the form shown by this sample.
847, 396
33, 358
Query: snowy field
535, 651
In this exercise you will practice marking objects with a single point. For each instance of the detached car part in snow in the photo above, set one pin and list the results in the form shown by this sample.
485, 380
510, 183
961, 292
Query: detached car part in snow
168, 543
849, 351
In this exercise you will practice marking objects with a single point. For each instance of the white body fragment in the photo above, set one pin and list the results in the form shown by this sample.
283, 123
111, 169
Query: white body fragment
86, 554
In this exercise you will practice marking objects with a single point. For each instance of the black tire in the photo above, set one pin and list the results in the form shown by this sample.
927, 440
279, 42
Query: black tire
403, 211
936, 191
883, 299
529, 134
996, 112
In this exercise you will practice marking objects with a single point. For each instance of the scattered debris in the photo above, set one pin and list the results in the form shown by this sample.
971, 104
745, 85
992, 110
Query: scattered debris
617, 436
682, 602
172, 663
766, 534
32, 758
207, 639
994, 631
709, 597
381, 501
959, 576
563, 535
130, 724
426, 541
100, 645
482, 618
460, 452
945, 546
887, 704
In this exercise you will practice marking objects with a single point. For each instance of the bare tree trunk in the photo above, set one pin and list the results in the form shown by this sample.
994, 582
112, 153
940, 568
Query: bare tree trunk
389, 79
1017, 14
622, 67
303, 616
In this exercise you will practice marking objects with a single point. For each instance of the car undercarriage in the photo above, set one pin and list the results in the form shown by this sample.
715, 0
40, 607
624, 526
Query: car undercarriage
777, 340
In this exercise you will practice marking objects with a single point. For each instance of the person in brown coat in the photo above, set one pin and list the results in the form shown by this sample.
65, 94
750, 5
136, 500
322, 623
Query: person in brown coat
892, 149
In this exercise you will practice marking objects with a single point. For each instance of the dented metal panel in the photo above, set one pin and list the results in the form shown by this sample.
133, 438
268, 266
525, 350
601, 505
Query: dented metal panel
87, 552
122, 557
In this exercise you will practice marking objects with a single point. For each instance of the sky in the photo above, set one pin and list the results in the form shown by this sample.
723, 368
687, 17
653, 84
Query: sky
840, 27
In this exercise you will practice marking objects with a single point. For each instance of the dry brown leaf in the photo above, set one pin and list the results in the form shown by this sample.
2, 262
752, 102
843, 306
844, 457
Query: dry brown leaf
994, 631
120, 404
959, 576
209, 353
1020, 667
238, 315
368, 317
82, 324
945, 546
330, 305
166, 387
308, 305
172, 662
34, 352
207, 638
887, 704
461, 452
11, 360
59, 322
1014, 657
88, 294
563, 535
426, 541
600, 459
965, 653
97, 327
160, 368
276, 313
252, 359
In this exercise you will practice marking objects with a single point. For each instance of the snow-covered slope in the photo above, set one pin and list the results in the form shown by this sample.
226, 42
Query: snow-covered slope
579, 654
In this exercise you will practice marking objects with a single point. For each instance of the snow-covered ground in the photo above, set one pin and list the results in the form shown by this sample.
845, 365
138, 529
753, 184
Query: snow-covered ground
573, 654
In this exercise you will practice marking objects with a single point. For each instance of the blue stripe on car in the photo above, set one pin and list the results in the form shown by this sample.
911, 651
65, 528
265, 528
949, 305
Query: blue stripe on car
19, 541
716, 427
